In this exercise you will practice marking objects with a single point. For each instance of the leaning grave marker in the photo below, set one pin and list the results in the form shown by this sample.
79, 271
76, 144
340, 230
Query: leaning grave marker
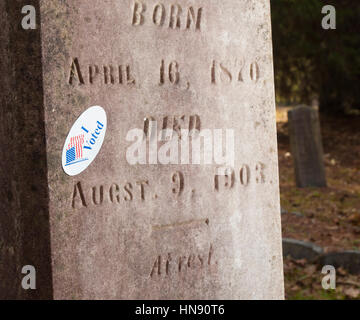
306, 147
147, 230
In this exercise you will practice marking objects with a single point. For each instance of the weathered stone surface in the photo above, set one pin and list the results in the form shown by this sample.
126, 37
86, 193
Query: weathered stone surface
298, 249
306, 147
144, 231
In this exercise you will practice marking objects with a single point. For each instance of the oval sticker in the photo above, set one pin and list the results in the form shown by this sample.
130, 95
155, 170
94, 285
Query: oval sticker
84, 140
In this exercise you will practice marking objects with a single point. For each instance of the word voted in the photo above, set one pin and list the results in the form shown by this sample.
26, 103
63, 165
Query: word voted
175, 17
94, 135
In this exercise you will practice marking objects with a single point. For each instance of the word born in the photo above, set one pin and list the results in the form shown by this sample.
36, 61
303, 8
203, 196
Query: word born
173, 18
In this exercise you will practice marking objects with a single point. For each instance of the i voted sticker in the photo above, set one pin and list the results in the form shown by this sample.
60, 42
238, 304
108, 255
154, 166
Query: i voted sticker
84, 140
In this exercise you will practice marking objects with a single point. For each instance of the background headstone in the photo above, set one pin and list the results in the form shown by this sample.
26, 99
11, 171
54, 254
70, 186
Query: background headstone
306, 147
349, 260
144, 231
298, 249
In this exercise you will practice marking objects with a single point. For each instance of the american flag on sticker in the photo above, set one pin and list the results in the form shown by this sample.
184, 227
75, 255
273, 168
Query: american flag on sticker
74, 151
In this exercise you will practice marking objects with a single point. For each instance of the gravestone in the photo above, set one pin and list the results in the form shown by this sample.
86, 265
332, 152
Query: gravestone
136, 223
306, 147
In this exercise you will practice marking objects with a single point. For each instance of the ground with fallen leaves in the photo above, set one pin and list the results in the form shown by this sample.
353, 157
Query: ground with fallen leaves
303, 282
328, 217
